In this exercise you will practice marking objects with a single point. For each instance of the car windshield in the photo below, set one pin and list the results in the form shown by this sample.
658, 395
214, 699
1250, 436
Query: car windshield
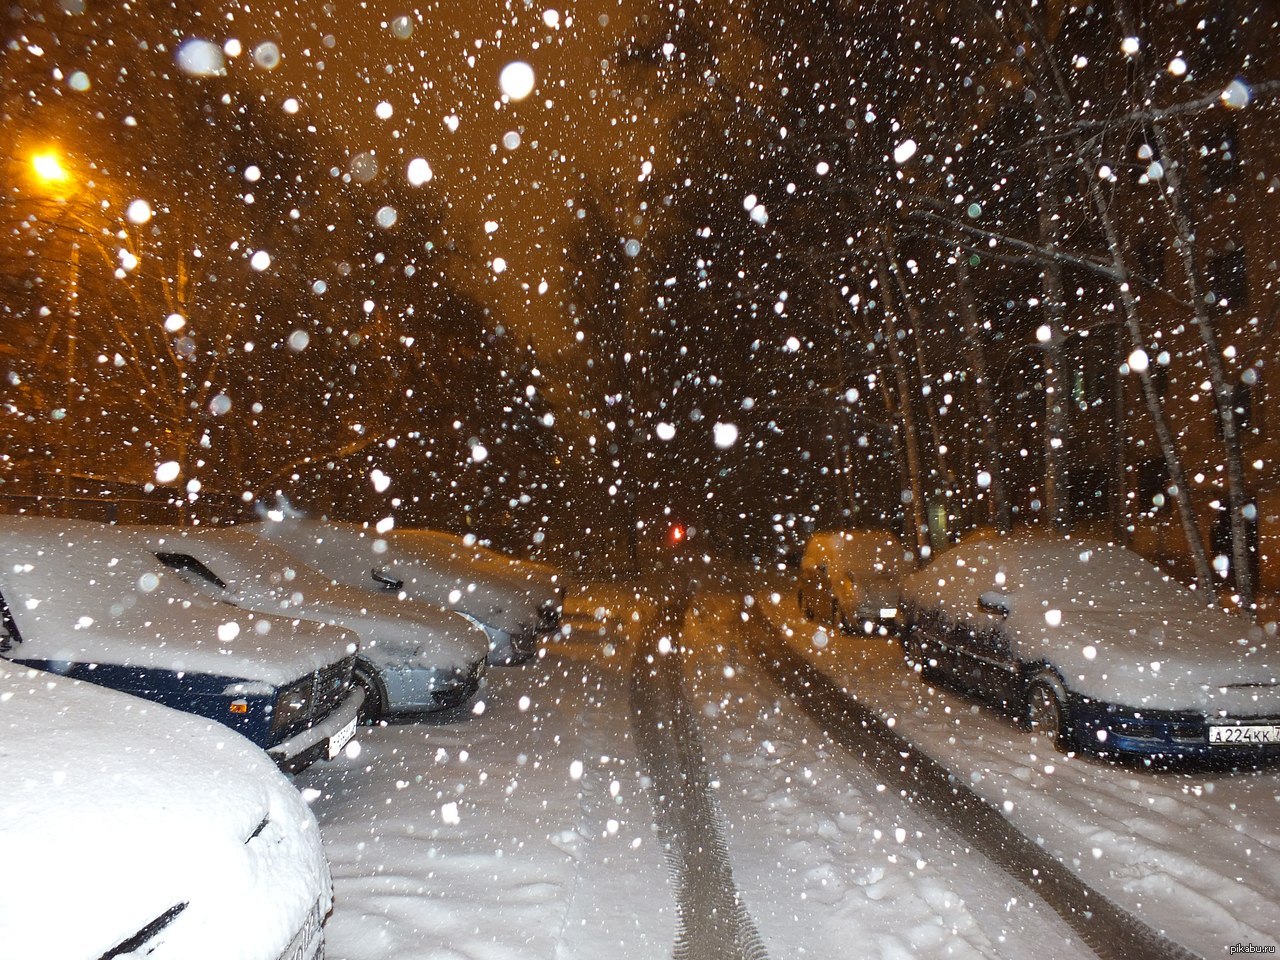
823, 456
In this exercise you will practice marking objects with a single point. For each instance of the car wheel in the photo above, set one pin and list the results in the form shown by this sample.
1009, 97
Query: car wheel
374, 704
1046, 708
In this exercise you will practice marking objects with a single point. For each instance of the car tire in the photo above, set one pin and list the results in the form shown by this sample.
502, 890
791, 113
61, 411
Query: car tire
374, 702
1047, 708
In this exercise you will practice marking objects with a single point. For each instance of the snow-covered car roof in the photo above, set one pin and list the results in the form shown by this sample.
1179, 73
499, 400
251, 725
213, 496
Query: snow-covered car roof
1116, 627
262, 576
870, 552
115, 810
82, 592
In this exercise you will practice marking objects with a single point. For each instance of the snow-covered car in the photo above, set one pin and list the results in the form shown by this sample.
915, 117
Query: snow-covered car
852, 576
1096, 648
130, 830
85, 600
544, 584
413, 657
362, 557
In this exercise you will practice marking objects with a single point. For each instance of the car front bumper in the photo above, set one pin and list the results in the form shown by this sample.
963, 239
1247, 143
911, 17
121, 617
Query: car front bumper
308, 941
1106, 728
507, 647
321, 740
424, 689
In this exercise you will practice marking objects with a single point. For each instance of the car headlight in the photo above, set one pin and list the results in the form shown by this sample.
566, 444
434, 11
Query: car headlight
292, 705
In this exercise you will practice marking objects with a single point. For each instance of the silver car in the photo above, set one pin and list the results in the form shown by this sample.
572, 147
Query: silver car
413, 657
364, 558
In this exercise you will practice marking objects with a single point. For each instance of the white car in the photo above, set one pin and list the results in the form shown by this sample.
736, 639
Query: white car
413, 657
362, 557
543, 584
86, 601
852, 575
1095, 647
128, 829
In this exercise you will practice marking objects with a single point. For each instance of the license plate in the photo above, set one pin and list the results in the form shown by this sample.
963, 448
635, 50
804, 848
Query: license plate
308, 943
339, 739
1222, 734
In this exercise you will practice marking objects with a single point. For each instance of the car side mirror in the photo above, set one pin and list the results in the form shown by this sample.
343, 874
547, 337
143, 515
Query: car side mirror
386, 582
993, 601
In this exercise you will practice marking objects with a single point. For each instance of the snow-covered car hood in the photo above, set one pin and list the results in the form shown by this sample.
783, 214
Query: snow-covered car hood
263, 577
114, 810
543, 584
351, 554
1118, 629
83, 592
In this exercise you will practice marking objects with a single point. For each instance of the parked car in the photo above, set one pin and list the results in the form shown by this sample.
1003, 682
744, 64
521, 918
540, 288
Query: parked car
413, 657
86, 601
1096, 649
852, 577
130, 830
543, 584
362, 557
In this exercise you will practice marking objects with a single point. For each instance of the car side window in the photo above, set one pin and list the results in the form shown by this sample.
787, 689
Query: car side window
190, 569
990, 642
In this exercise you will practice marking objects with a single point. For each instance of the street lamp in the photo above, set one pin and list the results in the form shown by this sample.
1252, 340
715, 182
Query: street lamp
49, 170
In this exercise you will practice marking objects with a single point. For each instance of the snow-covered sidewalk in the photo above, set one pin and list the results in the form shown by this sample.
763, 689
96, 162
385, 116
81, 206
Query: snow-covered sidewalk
1195, 855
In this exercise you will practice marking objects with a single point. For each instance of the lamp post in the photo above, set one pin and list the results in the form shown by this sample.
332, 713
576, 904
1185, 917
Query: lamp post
55, 181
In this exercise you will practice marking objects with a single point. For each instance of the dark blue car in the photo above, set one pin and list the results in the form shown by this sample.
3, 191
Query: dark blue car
81, 600
1094, 647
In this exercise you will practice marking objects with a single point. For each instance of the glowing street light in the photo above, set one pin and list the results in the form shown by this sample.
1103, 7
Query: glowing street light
49, 169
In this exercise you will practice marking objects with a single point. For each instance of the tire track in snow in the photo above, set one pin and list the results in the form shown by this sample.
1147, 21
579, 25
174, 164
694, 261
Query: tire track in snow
1109, 930
713, 923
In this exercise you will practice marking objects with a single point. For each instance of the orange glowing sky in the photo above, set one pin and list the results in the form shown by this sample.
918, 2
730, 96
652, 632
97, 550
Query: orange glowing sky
342, 60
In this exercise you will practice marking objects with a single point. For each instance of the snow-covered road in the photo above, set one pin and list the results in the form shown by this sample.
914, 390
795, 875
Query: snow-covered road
530, 830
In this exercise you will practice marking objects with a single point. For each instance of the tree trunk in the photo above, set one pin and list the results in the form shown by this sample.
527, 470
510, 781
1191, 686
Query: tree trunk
1223, 395
1121, 513
1057, 499
906, 410
1155, 406
945, 473
998, 512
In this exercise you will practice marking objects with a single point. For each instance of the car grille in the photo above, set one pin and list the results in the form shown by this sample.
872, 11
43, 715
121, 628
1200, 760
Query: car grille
311, 698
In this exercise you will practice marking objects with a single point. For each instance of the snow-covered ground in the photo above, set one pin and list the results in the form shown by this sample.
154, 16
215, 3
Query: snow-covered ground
1195, 855
825, 855
523, 831
526, 831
